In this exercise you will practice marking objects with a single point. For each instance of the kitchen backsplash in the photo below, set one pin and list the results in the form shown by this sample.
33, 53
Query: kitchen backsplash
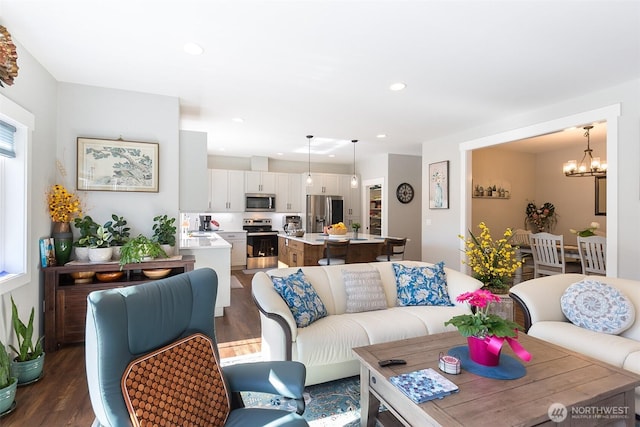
231, 221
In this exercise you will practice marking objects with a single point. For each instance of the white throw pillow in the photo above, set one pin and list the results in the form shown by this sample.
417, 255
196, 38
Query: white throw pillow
598, 307
364, 290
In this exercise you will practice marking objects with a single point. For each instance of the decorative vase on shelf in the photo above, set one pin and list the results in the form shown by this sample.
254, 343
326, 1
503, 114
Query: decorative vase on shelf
479, 352
62, 241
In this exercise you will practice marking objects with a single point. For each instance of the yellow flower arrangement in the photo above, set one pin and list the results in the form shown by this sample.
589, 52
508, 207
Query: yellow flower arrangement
63, 205
492, 262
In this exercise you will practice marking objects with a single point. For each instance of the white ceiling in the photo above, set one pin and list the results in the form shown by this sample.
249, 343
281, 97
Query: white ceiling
292, 68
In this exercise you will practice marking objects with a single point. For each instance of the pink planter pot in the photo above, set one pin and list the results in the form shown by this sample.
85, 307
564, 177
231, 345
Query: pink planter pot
479, 353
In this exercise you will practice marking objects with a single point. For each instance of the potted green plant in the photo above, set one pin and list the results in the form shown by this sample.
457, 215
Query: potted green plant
119, 233
87, 228
164, 232
100, 245
8, 383
29, 361
139, 249
356, 227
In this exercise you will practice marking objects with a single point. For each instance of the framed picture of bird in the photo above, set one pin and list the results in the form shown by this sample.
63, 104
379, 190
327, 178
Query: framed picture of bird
117, 165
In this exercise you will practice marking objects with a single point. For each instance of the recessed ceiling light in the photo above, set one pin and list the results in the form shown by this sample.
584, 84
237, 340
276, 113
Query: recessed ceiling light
238, 119
397, 86
332, 155
381, 135
280, 154
193, 48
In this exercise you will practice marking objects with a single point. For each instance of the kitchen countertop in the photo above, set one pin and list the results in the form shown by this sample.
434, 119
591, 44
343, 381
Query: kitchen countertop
210, 240
319, 238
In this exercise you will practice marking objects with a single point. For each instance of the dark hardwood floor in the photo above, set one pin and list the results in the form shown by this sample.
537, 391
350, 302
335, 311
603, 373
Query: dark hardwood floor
61, 397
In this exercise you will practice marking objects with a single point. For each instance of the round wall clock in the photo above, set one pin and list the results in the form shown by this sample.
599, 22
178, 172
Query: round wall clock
404, 192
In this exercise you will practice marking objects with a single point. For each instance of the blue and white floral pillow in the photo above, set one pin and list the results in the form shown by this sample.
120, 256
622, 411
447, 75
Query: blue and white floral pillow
302, 299
422, 285
598, 307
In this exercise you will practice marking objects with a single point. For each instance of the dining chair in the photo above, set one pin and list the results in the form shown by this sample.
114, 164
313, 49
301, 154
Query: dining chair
393, 249
548, 254
151, 353
520, 241
335, 252
593, 255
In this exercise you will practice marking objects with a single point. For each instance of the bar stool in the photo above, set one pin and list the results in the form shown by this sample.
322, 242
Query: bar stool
335, 252
393, 249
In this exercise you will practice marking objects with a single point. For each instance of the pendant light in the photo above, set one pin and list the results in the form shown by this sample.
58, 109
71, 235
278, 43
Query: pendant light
309, 179
589, 165
354, 178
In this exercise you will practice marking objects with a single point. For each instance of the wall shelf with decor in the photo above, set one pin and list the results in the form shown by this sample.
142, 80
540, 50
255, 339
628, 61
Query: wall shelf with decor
500, 190
492, 197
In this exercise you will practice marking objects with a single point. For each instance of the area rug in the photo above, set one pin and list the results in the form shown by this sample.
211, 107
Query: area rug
331, 404
335, 403
235, 283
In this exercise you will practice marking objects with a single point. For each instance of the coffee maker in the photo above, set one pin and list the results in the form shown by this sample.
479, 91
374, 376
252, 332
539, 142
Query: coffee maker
205, 223
292, 222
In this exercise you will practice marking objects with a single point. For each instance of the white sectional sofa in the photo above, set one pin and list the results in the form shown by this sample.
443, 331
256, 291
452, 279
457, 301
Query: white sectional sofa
540, 300
325, 346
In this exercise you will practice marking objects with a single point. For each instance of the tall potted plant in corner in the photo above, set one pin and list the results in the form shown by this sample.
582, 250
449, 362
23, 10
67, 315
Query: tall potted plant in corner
164, 232
29, 361
8, 383
119, 233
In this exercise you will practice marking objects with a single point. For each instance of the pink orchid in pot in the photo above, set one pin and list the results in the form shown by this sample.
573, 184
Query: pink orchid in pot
486, 332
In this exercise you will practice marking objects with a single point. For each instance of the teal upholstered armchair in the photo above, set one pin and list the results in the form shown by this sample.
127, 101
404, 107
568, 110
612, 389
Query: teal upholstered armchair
126, 324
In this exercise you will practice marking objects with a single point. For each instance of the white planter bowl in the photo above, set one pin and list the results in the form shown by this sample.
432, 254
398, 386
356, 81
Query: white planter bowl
100, 254
82, 253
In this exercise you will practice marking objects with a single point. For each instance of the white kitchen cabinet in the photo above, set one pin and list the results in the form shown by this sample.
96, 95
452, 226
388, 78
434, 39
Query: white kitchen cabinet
288, 192
260, 182
238, 242
352, 200
194, 184
227, 190
323, 183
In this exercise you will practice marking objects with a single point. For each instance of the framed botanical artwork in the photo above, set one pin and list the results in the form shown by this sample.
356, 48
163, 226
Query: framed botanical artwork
439, 185
117, 165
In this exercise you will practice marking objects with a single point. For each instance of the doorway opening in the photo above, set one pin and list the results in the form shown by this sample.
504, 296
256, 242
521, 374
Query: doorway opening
609, 114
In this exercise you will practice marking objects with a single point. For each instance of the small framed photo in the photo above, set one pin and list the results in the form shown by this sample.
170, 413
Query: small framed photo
117, 165
439, 185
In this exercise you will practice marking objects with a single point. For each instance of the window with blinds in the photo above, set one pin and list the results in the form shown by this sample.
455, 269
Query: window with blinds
7, 145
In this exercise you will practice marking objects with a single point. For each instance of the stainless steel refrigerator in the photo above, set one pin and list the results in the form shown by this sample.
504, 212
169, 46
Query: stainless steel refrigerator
323, 211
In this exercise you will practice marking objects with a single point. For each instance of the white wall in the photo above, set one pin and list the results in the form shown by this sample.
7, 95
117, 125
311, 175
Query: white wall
623, 159
88, 111
404, 218
35, 90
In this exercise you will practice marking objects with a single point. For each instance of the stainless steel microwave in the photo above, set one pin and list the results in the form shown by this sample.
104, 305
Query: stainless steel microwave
259, 202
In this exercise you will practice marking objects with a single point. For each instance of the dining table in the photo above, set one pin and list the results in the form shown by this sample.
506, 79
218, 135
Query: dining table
571, 254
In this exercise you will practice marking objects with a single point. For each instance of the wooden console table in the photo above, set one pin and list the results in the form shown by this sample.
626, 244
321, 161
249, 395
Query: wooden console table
65, 303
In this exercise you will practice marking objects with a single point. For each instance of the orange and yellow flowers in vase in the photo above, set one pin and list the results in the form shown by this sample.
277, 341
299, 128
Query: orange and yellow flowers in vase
491, 262
63, 206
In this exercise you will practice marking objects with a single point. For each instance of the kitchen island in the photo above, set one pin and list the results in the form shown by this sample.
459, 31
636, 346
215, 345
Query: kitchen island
210, 250
308, 249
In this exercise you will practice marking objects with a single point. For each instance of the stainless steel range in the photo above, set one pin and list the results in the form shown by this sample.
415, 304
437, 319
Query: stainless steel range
262, 243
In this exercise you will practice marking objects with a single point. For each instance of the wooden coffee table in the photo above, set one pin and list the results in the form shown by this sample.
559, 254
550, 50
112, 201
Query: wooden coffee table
585, 386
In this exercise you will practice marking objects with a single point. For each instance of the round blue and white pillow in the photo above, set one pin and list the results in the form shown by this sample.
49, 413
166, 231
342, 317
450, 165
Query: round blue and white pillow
598, 307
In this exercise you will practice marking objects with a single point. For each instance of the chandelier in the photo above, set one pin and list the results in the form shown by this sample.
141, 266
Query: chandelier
589, 165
